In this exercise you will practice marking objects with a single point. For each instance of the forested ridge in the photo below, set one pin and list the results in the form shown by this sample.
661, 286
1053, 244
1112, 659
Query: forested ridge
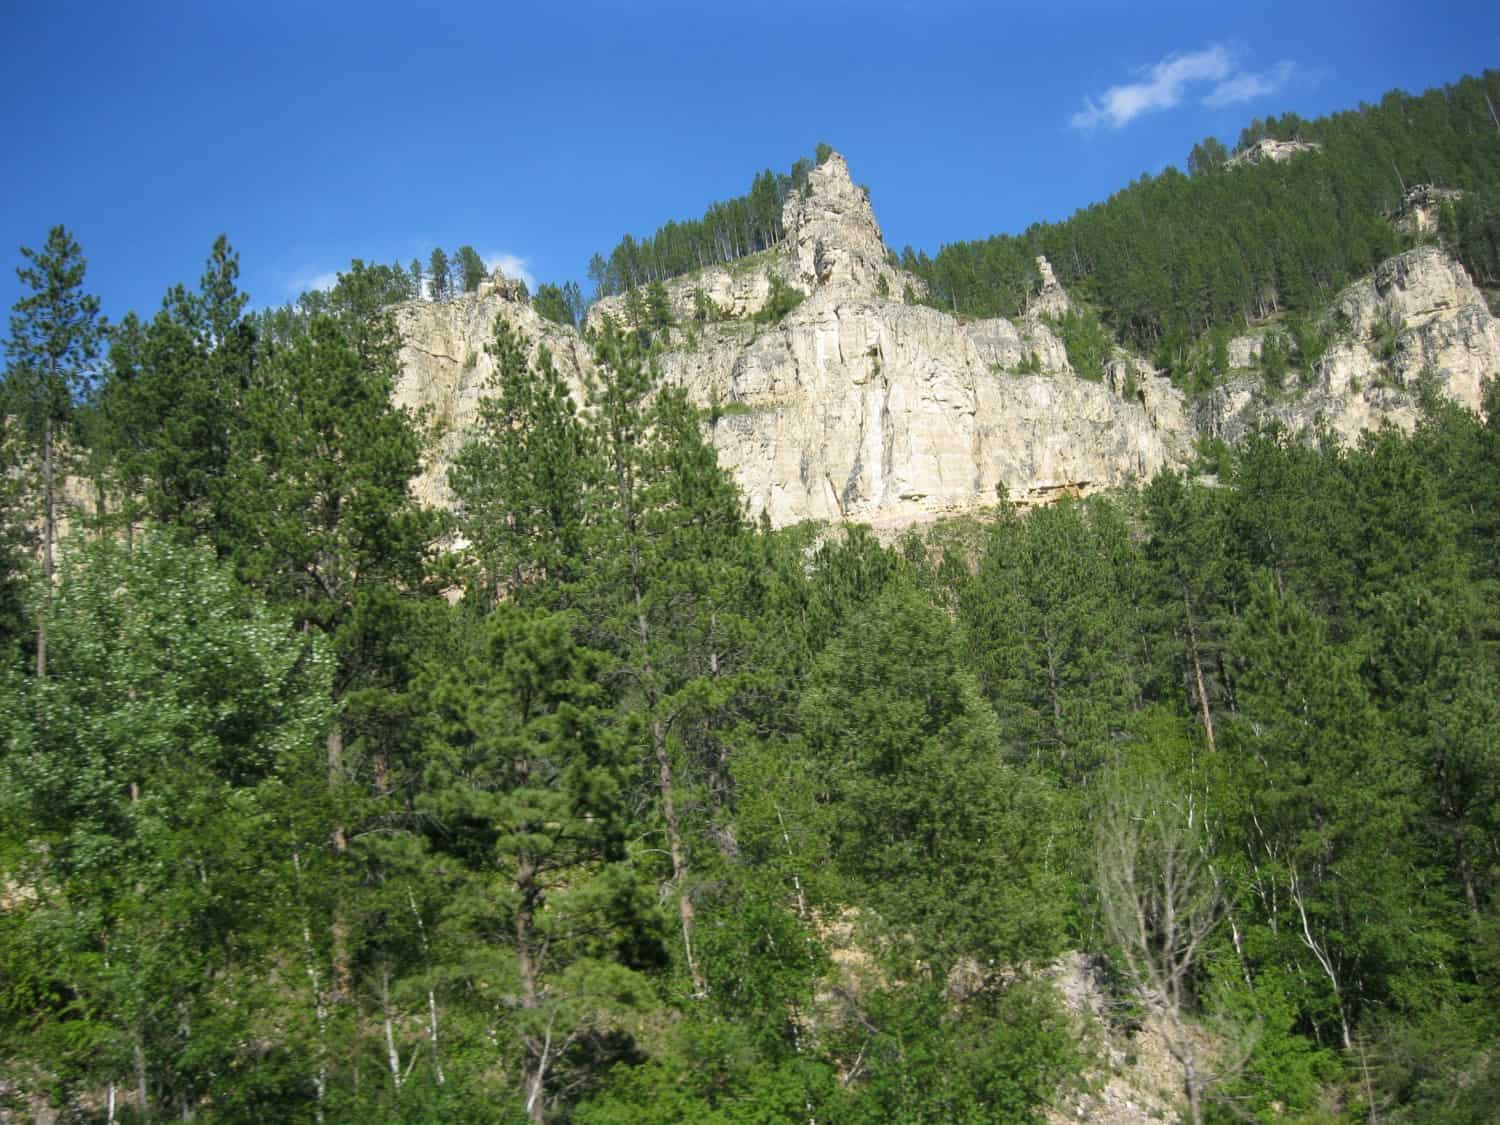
732, 229
1174, 255
632, 810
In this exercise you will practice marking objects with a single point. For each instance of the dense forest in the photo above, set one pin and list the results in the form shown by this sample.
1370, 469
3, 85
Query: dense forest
594, 801
1174, 255
734, 228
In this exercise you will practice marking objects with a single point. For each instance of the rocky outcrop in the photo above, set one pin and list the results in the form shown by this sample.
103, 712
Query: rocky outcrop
1416, 323
891, 414
1245, 351
834, 240
1273, 150
446, 369
1420, 207
1051, 299
856, 405
734, 291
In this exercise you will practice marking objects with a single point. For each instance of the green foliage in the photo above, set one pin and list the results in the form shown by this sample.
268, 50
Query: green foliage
1276, 352
469, 267
1250, 241
1208, 155
1088, 344
674, 818
523, 478
439, 279
55, 334
527, 783
783, 299
1387, 337
997, 1058
735, 228
143, 779
559, 304
704, 309
1045, 614
926, 822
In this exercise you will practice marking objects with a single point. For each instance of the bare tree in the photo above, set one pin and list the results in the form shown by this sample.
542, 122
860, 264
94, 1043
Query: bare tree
1160, 904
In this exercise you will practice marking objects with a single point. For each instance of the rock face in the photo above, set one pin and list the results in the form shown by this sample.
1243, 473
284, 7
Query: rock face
833, 237
1052, 299
446, 371
858, 405
1417, 322
1421, 205
1273, 150
890, 414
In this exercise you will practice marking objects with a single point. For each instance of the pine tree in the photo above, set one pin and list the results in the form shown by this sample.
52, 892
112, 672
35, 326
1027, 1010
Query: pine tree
440, 284
524, 478
55, 335
470, 268
174, 397
663, 523
926, 822
528, 790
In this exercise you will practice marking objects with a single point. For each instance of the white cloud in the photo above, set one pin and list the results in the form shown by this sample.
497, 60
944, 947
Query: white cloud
1161, 89
512, 265
1245, 86
309, 279
1164, 85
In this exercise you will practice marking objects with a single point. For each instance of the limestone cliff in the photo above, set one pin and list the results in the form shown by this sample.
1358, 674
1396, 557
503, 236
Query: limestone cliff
446, 371
856, 405
1417, 322
859, 405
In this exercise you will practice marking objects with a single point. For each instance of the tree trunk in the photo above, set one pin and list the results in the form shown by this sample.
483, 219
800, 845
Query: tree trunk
343, 975
142, 1090
320, 1009
685, 912
49, 535
529, 969
1192, 632
432, 1011
1194, 1096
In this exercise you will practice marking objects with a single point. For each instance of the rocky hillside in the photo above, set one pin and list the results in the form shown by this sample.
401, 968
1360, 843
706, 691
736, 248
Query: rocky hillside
863, 404
1418, 321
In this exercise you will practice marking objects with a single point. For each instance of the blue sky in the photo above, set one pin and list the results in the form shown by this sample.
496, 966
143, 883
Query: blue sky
313, 133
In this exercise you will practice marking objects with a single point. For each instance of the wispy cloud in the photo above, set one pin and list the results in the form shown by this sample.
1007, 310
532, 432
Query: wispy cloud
512, 265
1165, 85
306, 280
1246, 86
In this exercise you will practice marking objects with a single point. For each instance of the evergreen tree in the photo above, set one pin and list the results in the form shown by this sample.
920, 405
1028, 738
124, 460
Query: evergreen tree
925, 820
527, 786
551, 302
439, 284
664, 518
55, 335
523, 480
469, 267
174, 398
